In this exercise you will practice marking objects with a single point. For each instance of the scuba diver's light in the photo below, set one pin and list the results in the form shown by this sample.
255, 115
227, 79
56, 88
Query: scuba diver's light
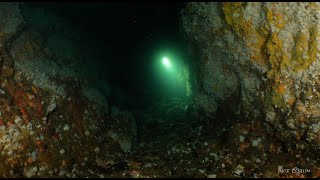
166, 62
172, 74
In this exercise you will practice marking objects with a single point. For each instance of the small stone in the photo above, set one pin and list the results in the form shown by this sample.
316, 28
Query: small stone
10, 153
86, 132
258, 160
30, 96
42, 168
62, 151
97, 149
148, 165
256, 142
212, 176
62, 172
66, 127
239, 170
41, 137
242, 138
2, 91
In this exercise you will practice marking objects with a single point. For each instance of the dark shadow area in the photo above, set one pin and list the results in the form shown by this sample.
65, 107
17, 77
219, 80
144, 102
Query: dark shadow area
122, 45
125, 36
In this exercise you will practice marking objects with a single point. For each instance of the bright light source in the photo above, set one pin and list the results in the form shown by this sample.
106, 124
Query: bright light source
166, 62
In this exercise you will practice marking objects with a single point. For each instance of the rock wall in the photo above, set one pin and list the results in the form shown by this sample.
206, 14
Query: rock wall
266, 55
52, 124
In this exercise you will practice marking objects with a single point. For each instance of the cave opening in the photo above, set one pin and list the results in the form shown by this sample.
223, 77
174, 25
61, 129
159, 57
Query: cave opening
146, 71
136, 55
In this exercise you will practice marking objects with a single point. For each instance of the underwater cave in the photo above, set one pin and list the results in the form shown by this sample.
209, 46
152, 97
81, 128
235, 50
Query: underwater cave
148, 90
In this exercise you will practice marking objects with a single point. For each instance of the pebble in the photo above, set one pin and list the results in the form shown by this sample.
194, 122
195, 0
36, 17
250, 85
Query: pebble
258, 160
66, 127
148, 165
62, 151
212, 176
86, 132
241, 138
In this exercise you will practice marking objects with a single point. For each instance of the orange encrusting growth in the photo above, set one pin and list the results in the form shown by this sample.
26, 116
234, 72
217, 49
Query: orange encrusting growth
254, 38
28, 104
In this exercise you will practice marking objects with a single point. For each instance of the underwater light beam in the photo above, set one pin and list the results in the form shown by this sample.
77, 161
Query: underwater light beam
166, 62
